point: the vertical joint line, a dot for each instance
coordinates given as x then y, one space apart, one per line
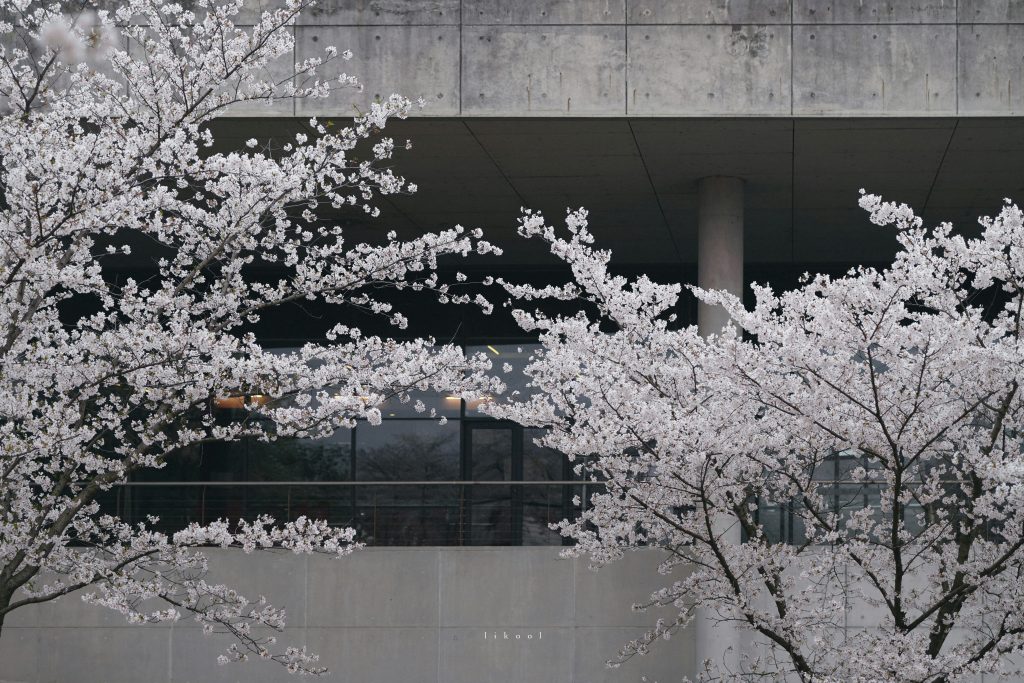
956 59
439 603
792 59
461 26
625 65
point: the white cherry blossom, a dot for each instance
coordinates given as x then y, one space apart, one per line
881 407
107 150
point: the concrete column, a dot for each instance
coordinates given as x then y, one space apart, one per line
719 266
719 245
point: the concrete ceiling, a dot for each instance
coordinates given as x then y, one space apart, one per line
638 178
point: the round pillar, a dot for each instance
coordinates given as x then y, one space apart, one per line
719 266
719 246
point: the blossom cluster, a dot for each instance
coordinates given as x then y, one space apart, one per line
880 411
109 170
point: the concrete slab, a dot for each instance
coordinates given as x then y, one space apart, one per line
538 654
378 655
381 13
415 61
277 71
887 70
708 70
374 587
874 12
840 236
989 83
468 598
105 655
279 575
21 654
554 147
68 611
194 659
668 660
487 12
549 71
531 58
637 574
709 12
990 11
252 10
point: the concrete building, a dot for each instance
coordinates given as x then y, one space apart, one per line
714 141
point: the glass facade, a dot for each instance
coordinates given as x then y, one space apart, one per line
844 495
413 481
408 481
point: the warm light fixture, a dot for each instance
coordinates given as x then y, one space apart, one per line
494 350
480 401
239 401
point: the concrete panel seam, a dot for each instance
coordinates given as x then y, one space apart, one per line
440 582
461 91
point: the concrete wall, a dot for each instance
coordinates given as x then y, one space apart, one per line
383 615
675 57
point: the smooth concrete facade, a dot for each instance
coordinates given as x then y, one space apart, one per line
708 58
381 615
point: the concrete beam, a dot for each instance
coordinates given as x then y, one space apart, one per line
731 58
415 61
582 12
709 70
888 70
544 71
709 12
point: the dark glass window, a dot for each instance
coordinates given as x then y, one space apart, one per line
408 481
327 459
407 450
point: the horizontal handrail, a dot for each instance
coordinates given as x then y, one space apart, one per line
458 482
359 483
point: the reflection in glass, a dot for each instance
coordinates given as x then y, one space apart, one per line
407 450
490 521
491 454
223 461
409 515
490 514
181 465
771 517
331 503
176 506
327 459
408 446
542 506
540 463
447 405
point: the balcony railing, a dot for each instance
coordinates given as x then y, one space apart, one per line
405 513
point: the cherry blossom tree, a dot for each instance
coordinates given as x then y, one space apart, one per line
107 148
878 412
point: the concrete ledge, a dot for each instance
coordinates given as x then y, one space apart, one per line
709 70
416 615
666 58
887 70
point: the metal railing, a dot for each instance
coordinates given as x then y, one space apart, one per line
453 512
